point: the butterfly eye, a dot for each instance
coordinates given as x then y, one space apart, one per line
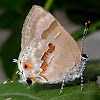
27 66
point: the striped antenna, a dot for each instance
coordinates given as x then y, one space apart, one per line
84 35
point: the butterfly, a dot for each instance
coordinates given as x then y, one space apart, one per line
49 54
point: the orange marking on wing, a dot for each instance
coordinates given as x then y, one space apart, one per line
43 76
44 56
44 64
51 48
27 66
34 80
31 78
51 28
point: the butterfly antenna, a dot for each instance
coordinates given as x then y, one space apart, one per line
84 35
14 77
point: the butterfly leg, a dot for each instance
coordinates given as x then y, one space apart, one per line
81 81
85 58
62 86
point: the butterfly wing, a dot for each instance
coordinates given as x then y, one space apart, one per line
36 22
41 24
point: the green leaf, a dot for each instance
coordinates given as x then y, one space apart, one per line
18 91
92 71
48 4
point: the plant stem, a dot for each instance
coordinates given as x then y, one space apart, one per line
48 4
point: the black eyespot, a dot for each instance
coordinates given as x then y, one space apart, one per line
29 82
25 66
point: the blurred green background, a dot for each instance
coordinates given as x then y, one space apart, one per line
14 12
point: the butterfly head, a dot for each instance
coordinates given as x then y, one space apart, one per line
84 57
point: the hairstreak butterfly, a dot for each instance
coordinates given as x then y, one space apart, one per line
49 54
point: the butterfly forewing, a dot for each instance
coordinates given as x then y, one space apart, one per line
36 22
